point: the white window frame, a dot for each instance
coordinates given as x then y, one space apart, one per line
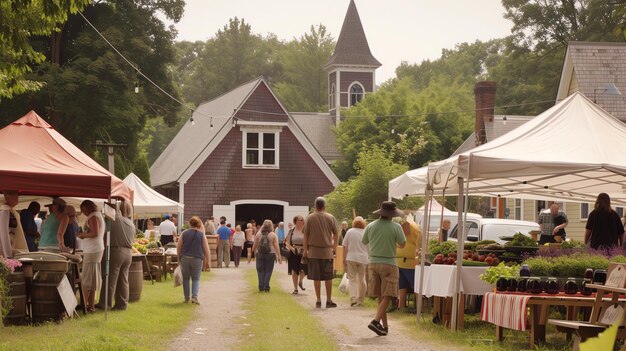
350 104
520 208
260 130
331 97
589 208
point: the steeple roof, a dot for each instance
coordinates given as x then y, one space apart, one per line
352 47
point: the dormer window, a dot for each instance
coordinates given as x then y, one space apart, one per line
260 147
356 94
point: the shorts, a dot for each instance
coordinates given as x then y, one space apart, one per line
320 269
383 280
407 279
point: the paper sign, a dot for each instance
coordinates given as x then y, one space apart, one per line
612 314
67 296
617 277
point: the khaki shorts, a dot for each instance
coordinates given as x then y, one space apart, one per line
320 269
383 280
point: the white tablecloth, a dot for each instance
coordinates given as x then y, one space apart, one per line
439 280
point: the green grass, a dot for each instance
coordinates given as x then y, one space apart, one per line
148 324
279 322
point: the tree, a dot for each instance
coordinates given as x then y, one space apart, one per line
305 87
549 25
20 21
89 93
365 192
233 57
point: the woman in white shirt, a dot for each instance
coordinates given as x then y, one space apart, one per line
93 247
355 258
239 238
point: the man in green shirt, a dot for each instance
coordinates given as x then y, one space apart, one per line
383 236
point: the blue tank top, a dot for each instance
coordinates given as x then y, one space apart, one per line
192 243
49 230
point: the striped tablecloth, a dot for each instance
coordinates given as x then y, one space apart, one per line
507 311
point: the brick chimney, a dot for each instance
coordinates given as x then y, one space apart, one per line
485 93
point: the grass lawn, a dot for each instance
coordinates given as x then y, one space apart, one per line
279 322
148 324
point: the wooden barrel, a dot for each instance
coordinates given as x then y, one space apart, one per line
213 239
17 295
45 301
135 281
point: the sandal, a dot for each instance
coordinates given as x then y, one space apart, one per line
318 304
301 286
295 292
330 304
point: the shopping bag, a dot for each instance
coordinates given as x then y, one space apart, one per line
343 286
178 277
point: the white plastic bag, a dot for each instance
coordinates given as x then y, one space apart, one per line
178 277
343 286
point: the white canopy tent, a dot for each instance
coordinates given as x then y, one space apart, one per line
409 183
571 152
148 202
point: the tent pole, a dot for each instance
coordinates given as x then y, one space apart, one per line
424 247
459 258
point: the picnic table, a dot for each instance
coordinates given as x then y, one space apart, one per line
508 310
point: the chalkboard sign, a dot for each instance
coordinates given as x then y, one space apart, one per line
67 296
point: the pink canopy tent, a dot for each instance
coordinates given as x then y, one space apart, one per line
37 160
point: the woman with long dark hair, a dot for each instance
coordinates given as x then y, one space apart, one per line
604 228
293 242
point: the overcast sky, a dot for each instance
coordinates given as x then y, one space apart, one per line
397 30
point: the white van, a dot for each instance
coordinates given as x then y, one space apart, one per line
435 221
496 229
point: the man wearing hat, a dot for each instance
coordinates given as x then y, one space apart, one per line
54 227
383 237
167 229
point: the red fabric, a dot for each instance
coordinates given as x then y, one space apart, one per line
37 160
505 310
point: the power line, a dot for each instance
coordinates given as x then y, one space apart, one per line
136 68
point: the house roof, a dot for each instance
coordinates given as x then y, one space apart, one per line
495 129
588 67
352 47
194 143
192 139
318 127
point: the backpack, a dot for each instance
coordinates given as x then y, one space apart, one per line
264 244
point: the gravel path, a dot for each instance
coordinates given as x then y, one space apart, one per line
221 317
348 325
221 320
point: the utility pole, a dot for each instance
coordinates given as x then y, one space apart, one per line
110 152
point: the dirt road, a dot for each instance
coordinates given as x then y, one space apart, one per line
221 320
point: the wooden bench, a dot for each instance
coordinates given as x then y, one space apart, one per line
582 330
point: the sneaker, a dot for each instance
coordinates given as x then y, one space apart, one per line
330 304
377 328
195 301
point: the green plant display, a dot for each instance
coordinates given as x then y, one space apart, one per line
492 274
